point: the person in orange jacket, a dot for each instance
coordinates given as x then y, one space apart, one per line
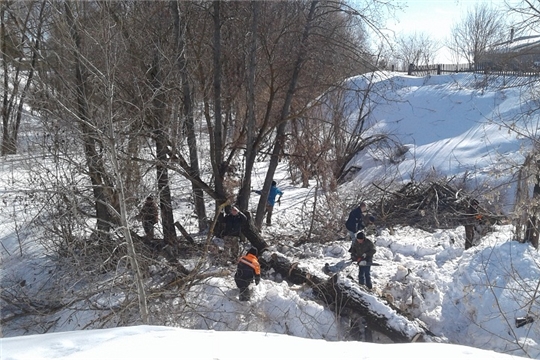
248 269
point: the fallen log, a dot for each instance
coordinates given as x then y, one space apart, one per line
379 314
250 231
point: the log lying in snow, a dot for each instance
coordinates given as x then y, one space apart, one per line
252 234
378 313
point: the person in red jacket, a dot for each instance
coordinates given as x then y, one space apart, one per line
247 270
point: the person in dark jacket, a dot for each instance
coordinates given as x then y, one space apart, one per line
248 269
234 222
362 253
357 221
475 224
149 216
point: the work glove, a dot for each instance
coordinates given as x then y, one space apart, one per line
279 202
363 255
257 280
362 263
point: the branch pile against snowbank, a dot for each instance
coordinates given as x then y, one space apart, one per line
428 206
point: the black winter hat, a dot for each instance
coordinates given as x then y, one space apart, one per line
360 235
253 251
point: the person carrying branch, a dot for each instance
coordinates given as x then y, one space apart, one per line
248 269
362 253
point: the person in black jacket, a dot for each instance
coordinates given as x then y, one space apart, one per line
149 216
362 253
248 269
234 222
357 221
475 224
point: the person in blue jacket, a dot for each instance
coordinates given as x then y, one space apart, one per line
357 221
271 201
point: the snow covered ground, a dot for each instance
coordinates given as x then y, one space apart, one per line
451 125
154 342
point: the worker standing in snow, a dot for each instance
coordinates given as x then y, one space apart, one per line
271 201
362 253
358 220
234 222
149 216
248 269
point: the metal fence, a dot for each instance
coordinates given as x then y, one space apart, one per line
484 68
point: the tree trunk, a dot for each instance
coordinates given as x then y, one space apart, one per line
251 233
10 125
251 148
217 148
5 70
181 60
162 152
122 215
8 142
280 133
94 161
389 321
531 234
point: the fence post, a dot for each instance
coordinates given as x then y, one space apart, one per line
438 69
411 66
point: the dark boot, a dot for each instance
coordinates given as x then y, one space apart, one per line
244 294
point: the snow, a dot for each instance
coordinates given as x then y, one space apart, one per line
159 342
451 125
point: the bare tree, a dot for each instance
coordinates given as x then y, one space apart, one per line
103 190
333 131
180 24
334 52
244 192
285 111
527 204
528 12
417 48
476 34
21 34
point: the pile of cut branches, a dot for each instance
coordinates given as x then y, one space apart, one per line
428 206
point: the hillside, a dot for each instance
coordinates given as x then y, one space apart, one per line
464 126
